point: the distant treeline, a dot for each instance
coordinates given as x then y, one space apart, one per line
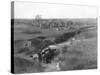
57 23
82 20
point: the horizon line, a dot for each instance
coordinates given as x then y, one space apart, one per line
57 18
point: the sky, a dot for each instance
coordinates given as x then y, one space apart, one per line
28 10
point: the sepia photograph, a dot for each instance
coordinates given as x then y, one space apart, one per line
51 37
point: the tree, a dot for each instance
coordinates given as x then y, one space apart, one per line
38 17
38 20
